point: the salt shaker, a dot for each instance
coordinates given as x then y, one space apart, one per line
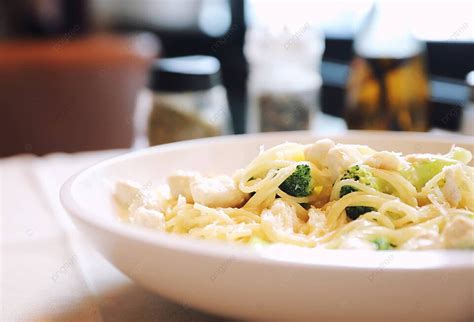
284 80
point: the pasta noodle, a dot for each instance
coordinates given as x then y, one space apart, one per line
322 195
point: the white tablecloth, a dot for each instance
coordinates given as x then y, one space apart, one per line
49 272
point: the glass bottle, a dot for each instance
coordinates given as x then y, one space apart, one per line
284 80
387 87
467 123
188 100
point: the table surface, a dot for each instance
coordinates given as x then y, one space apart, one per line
49 272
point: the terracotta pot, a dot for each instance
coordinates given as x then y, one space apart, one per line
71 94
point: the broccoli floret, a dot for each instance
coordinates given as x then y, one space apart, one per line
425 167
419 173
299 183
363 176
353 212
346 190
382 243
459 154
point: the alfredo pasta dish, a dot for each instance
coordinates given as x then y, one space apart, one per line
322 195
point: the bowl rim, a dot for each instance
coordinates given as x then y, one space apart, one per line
330 259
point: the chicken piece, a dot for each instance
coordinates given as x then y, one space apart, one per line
419 158
180 182
455 154
336 157
220 191
427 240
280 224
317 153
284 214
148 218
385 160
459 233
132 195
142 204
126 192
342 157
451 191
317 222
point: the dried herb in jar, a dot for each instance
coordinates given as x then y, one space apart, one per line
284 112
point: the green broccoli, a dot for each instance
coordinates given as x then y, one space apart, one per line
299 183
360 174
363 176
382 243
425 167
419 173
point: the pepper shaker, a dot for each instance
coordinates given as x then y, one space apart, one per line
188 100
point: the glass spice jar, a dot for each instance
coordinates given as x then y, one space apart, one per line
284 80
467 123
188 100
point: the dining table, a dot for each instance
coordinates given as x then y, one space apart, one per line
49 271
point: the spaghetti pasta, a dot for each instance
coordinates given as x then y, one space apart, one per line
322 195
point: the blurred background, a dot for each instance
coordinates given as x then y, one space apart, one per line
102 74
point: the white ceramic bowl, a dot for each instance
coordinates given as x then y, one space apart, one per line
276 282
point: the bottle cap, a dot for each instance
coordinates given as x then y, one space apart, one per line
186 73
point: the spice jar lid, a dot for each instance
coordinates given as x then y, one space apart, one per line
186 73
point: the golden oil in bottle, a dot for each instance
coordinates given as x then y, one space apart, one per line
387 88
